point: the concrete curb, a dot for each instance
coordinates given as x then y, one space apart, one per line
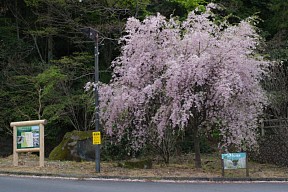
144 179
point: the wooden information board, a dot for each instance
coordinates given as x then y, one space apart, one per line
28 136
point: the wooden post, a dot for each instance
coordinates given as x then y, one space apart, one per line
247 167
15 154
222 165
41 155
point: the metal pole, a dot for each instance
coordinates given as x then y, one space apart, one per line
97 149
93 34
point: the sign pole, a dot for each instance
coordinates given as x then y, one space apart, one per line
93 34
41 152
222 165
97 157
247 167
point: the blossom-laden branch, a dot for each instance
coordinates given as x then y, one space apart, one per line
184 75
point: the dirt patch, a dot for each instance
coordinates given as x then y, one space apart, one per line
180 167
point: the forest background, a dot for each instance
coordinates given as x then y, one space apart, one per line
45 59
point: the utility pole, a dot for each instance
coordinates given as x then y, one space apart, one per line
93 34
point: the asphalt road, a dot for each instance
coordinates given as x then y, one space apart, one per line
20 184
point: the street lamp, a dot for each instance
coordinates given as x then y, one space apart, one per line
93 34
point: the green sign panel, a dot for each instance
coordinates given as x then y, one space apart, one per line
234 160
28 137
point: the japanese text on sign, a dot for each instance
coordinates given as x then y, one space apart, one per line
96 138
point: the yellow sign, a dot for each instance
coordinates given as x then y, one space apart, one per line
96 138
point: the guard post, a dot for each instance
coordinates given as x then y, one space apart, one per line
28 136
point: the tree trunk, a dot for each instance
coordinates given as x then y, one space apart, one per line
50 49
49 39
17 21
197 148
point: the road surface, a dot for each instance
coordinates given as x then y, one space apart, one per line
28 184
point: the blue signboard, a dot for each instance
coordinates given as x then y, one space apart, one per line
234 160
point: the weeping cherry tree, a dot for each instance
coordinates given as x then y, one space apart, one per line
174 76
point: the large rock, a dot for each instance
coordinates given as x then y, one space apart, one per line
75 146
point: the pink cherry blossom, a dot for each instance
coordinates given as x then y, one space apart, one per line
185 75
